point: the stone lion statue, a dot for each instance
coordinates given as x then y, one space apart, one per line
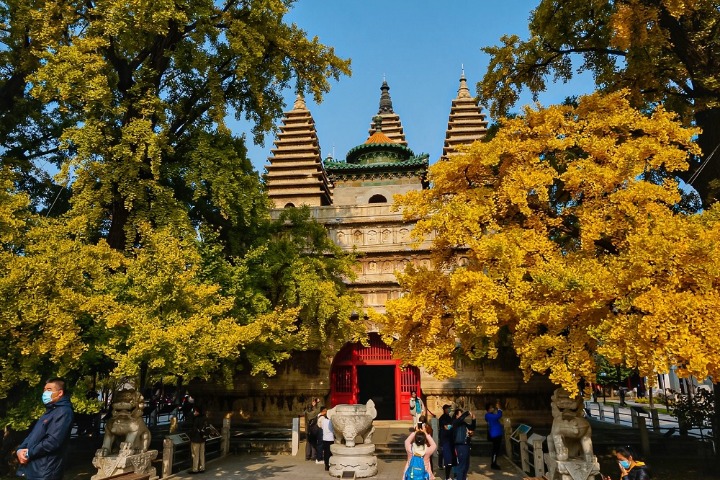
126 424
570 436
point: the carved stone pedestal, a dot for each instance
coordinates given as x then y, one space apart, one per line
574 469
360 459
124 461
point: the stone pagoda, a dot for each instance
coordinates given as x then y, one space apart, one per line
353 199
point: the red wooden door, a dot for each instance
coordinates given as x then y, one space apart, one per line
344 385
344 375
409 381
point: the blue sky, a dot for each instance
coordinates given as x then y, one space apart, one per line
419 47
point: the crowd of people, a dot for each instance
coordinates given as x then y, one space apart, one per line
40 455
456 429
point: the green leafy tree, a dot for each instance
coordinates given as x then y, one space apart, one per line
696 410
137 95
138 258
663 51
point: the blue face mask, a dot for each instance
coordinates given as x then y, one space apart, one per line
624 464
47 397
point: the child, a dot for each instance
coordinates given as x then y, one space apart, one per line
419 447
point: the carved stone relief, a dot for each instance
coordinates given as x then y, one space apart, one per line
358 237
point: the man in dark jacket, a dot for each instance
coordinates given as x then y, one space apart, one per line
447 449
197 441
311 413
461 436
41 454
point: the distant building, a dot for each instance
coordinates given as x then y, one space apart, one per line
353 199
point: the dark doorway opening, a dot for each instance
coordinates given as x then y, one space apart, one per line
378 383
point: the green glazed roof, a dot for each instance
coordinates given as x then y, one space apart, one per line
399 165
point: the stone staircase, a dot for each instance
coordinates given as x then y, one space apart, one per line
389 439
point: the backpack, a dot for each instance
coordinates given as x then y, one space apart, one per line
461 435
313 429
416 468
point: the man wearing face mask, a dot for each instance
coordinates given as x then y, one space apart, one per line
41 453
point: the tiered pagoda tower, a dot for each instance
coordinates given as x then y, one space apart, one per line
295 175
466 123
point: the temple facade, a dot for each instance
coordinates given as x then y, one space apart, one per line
353 198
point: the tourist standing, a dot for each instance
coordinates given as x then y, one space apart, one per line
495 431
197 441
447 449
328 436
41 454
424 426
311 430
417 408
462 432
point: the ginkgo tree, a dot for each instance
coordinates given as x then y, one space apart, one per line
559 236
140 256
661 50
174 307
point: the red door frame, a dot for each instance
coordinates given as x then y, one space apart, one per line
344 380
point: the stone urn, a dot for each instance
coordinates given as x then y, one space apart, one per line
353 423
353 450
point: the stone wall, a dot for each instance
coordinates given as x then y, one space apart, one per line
270 400
488 381
276 400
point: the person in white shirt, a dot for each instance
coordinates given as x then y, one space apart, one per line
328 435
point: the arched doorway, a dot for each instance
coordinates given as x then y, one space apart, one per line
361 373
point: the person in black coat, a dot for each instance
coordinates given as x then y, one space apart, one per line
197 441
445 435
41 454
462 432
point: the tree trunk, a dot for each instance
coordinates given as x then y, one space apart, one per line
652 401
715 422
116 235
707 182
143 375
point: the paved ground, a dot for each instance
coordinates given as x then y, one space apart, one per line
255 466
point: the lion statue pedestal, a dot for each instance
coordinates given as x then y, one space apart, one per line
570 449
127 439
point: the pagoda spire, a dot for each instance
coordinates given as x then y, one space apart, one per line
466 123
299 103
391 125
385 100
463 91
